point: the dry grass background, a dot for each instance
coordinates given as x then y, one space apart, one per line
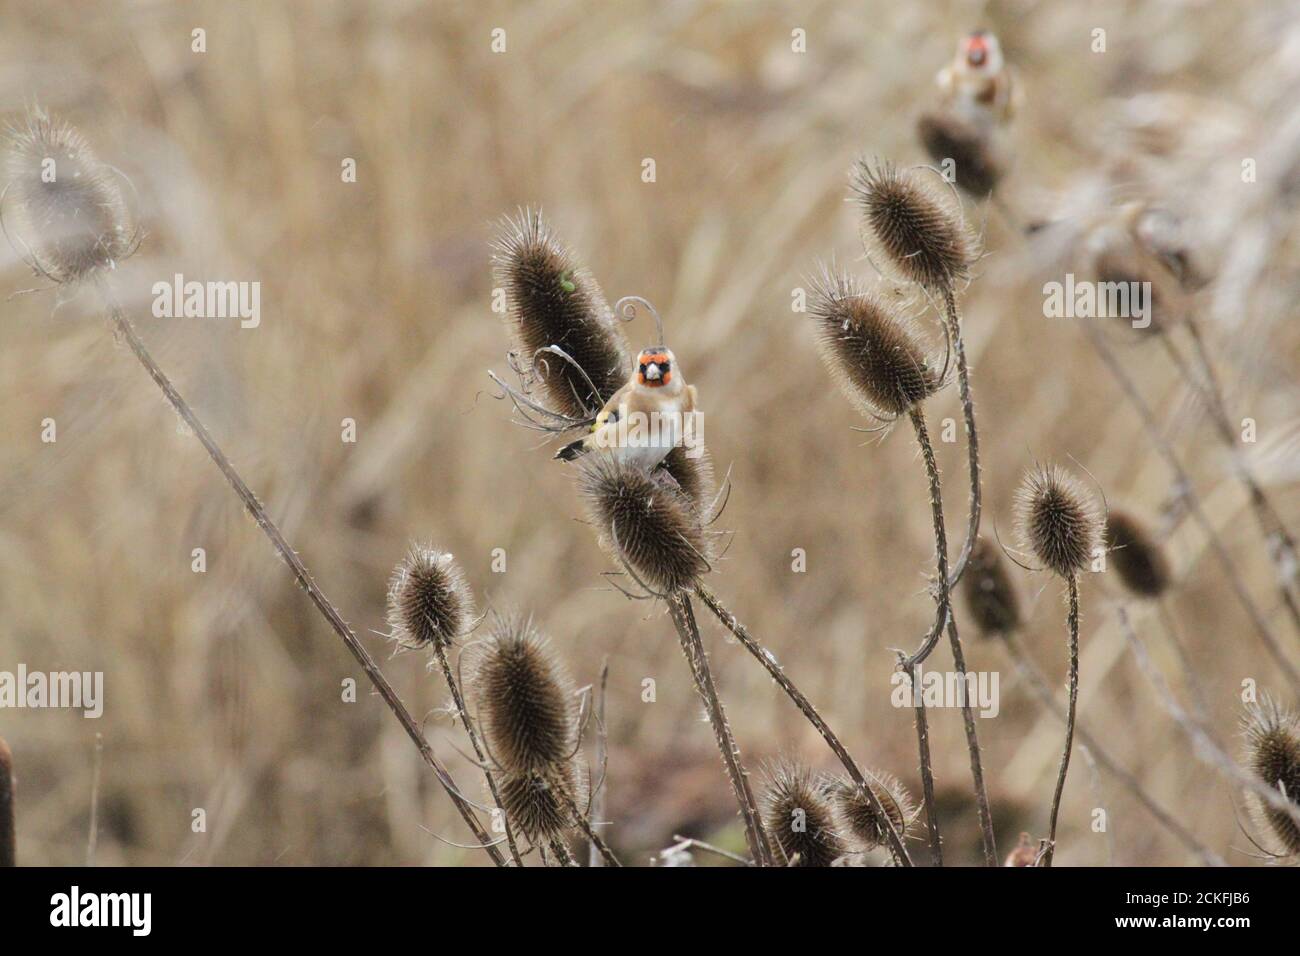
223 689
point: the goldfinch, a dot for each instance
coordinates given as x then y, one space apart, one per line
646 418
978 85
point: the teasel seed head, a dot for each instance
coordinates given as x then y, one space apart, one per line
1059 522
990 593
976 157
646 522
859 820
874 354
554 300
7 836
797 812
428 600
1024 854
1273 755
69 207
532 805
693 474
1135 554
525 698
912 226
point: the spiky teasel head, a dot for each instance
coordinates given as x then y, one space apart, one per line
859 820
533 803
797 812
645 522
69 205
874 353
912 226
693 473
6 805
429 602
1273 755
525 699
1136 555
1059 521
990 593
976 157
554 300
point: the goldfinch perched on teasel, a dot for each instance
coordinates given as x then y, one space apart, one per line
645 419
978 85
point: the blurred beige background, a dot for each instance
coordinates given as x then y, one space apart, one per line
223 688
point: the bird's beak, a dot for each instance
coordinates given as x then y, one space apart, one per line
652 373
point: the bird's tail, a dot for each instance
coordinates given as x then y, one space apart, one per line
572 450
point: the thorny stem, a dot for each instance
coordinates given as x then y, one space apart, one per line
7 839
562 853
594 857
741 633
303 577
1072 622
1029 672
959 659
927 774
584 824
679 608
463 713
1166 451
953 318
1282 546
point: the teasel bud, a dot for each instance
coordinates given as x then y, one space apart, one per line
428 600
975 154
1058 519
554 300
1273 755
990 593
8 840
526 703
912 226
68 204
645 522
859 820
1024 854
798 815
1135 554
875 354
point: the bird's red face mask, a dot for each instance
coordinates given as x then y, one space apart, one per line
976 48
654 368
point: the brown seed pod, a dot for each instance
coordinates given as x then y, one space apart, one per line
526 704
798 815
1135 554
644 521
989 591
694 476
69 205
1024 854
977 159
554 300
874 354
1058 519
7 837
912 226
428 599
858 818
1273 755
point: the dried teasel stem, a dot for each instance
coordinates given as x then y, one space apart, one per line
1282 545
954 640
1072 623
1152 427
299 570
8 840
688 632
1034 677
778 674
974 506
